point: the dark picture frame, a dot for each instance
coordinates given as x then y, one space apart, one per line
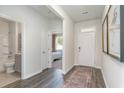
114 31
115 42
105 35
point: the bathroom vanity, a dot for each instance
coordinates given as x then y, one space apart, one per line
18 62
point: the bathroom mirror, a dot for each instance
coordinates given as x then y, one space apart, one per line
18 37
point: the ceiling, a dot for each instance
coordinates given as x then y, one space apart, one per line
83 12
45 11
5 20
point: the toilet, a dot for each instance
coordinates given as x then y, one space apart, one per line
9 67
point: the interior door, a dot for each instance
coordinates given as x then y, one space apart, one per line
86 47
44 61
49 50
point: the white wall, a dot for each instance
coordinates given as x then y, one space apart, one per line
68 38
4 30
96 23
113 70
35 27
55 26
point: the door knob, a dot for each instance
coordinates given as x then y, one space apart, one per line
43 52
79 49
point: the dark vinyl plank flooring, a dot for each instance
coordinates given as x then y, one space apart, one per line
53 78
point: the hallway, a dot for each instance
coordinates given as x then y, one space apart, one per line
85 39
57 64
78 77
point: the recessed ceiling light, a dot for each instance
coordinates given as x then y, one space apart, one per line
85 12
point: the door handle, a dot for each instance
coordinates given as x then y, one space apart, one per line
79 49
43 52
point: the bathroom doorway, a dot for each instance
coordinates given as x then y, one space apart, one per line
10 51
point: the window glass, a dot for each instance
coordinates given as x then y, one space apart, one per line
59 42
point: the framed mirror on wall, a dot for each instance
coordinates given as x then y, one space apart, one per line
105 35
114 31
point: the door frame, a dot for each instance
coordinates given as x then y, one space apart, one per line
62 19
22 41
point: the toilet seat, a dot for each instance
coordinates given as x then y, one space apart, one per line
9 63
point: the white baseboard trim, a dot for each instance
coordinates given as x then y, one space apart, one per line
98 67
65 72
30 75
76 64
104 78
89 66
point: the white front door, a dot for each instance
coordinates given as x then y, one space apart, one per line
86 48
